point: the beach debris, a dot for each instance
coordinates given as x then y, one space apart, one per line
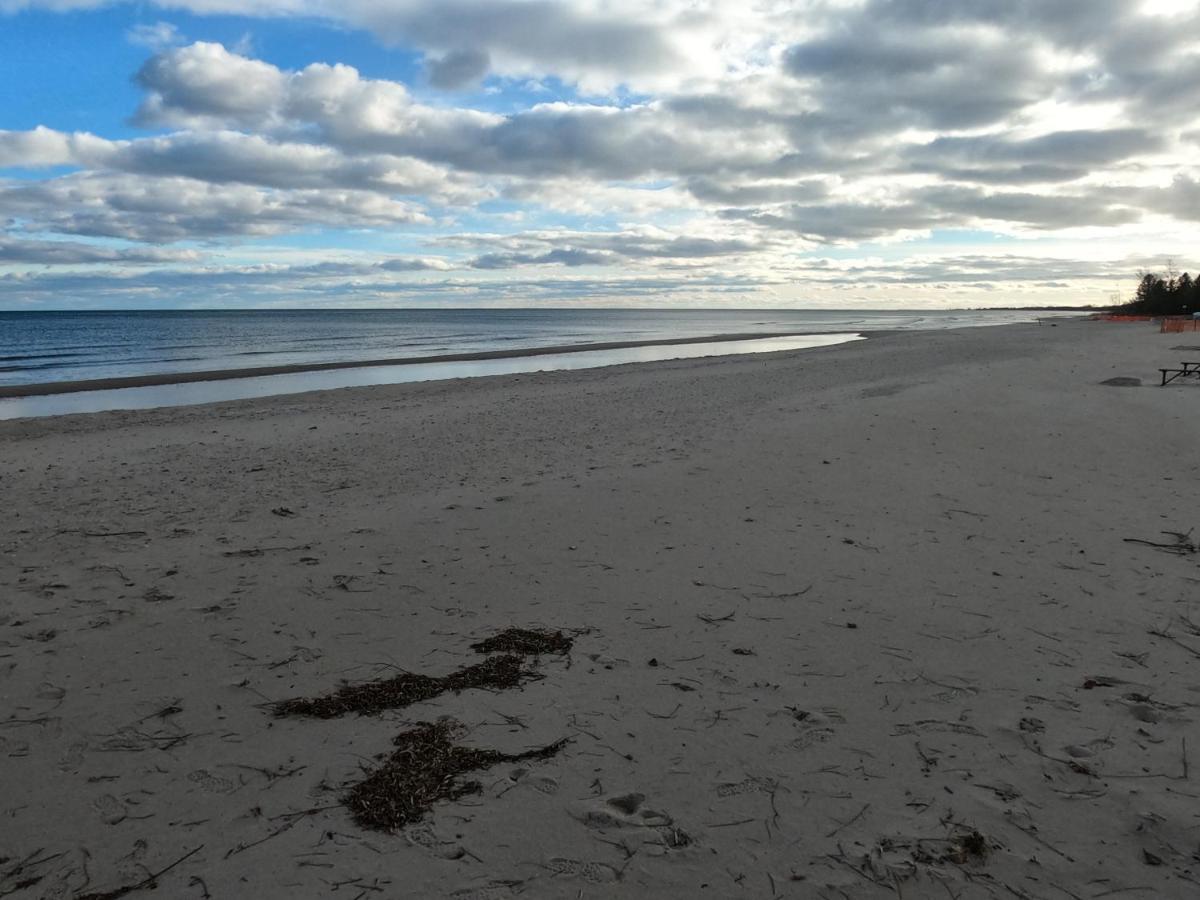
1165 635
255 552
283 512
21 876
1122 381
408 688
1101 681
525 642
895 859
423 769
150 882
967 847
1182 545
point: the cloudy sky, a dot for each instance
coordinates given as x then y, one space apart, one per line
839 153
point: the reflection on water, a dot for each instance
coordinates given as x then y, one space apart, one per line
75 346
271 385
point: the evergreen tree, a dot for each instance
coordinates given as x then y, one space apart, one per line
1174 295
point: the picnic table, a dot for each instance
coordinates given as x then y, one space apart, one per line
1188 368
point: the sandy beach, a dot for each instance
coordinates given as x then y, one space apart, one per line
914 617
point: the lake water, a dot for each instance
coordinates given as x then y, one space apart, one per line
46 347
68 346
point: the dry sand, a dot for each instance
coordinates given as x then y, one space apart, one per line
852 622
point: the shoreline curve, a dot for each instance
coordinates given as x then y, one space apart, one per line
49 388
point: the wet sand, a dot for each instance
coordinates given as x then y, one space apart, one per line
902 617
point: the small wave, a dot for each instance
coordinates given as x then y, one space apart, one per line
32 356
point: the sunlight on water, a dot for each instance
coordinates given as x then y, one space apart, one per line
273 385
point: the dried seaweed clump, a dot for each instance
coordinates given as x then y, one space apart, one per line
525 642
408 688
971 845
965 847
423 769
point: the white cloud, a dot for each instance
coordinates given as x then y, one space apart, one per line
157 37
758 132
210 84
162 210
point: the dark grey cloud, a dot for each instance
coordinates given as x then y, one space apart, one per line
162 210
1057 157
943 207
1043 211
1070 22
533 34
726 191
835 222
565 256
458 68
576 248
41 252
228 157
1181 199
868 79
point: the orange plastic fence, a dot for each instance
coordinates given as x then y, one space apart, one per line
1174 326
1113 317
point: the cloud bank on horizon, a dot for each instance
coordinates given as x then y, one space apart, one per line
189 153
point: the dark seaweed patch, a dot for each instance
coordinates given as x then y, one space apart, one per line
525 642
423 769
408 688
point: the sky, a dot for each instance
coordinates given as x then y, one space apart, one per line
689 153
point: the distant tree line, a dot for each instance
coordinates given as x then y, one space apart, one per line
1169 295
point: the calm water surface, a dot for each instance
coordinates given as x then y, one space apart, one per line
69 346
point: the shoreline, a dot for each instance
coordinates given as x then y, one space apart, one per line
49 388
898 616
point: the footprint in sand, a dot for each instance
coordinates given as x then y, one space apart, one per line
618 811
213 784
67 879
13 747
73 757
1088 750
814 727
591 872
496 890
1144 713
752 785
111 809
543 784
132 864
425 837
